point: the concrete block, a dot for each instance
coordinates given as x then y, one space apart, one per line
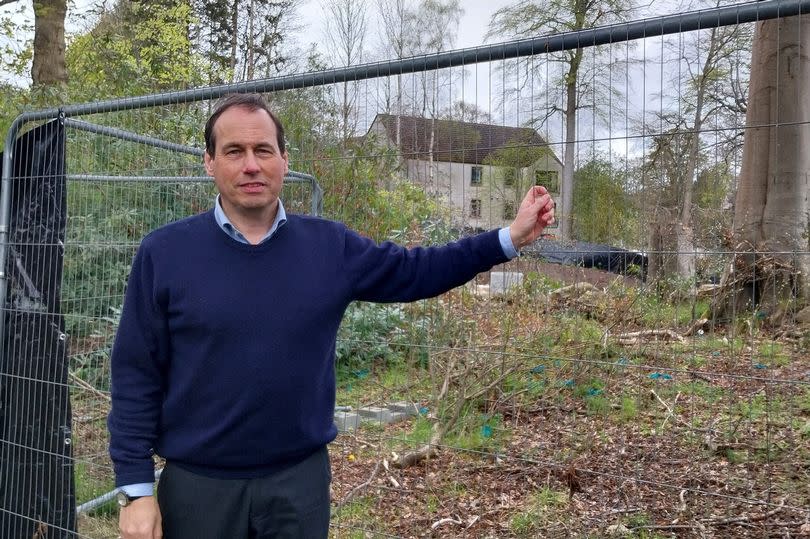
396 417
346 421
403 407
501 281
376 414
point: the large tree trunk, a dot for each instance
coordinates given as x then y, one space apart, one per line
681 231
672 247
48 66
567 186
234 38
772 211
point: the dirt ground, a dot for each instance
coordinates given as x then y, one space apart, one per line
564 472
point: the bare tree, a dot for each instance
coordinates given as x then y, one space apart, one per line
708 95
397 41
409 29
533 17
425 28
346 24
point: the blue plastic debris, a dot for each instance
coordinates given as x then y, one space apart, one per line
533 385
486 431
423 410
623 361
539 369
761 315
715 354
568 383
660 376
592 392
760 366
362 373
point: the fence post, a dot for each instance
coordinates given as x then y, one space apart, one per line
37 498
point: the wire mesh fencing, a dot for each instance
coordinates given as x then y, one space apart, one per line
639 371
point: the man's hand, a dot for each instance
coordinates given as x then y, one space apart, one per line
536 213
141 519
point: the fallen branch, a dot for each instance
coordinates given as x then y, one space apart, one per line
444 424
352 493
671 410
638 337
580 287
745 518
443 521
696 326
89 387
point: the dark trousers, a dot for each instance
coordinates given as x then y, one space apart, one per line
292 503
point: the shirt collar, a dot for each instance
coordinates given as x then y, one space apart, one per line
227 227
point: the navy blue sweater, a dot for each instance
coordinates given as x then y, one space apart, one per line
224 358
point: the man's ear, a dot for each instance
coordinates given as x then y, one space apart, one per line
209 163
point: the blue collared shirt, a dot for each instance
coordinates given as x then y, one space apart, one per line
226 225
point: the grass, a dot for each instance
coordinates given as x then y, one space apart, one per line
89 487
382 383
772 354
628 410
706 392
533 520
356 519
479 433
102 521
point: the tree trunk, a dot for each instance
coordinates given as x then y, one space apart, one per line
671 247
251 48
567 187
48 66
234 38
682 231
772 211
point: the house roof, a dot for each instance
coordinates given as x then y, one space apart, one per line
464 142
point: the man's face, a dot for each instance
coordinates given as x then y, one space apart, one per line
248 167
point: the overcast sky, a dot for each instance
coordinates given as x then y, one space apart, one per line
472 27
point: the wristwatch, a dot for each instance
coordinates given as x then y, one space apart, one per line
125 499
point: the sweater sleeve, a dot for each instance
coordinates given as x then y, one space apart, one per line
388 272
139 356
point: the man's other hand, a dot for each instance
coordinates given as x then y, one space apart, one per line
536 213
141 519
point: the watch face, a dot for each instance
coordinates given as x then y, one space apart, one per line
122 498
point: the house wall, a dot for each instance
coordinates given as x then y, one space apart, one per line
451 183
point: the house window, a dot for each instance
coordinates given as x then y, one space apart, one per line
508 210
509 177
476 174
548 179
475 208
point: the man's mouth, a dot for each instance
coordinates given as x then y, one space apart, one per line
252 187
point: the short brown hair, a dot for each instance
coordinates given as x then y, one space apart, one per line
251 102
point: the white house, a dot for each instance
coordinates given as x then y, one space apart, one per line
481 171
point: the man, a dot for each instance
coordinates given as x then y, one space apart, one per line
224 359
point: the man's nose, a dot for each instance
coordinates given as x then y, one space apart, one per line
251 164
